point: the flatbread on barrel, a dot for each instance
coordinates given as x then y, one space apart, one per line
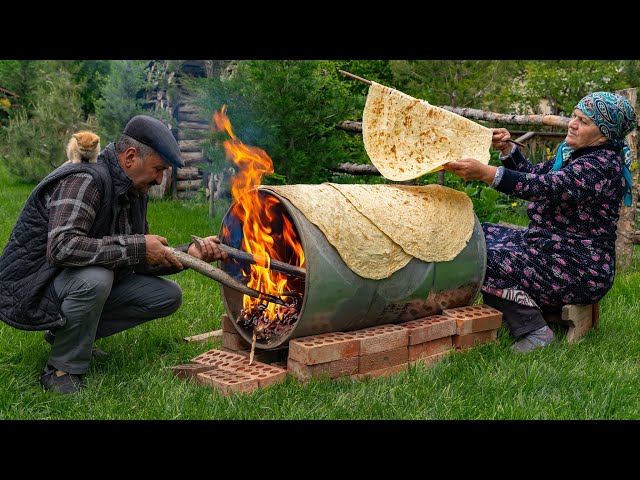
406 138
430 222
366 250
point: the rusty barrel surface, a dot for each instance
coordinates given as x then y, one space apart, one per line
337 299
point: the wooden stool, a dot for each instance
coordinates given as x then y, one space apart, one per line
579 318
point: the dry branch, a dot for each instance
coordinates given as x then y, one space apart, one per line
258 260
356 169
261 261
551 120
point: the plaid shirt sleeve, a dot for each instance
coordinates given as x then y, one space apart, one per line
72 209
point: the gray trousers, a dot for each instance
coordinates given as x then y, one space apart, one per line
96 306
520 319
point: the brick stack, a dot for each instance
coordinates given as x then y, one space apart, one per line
474 324
367 353
230 372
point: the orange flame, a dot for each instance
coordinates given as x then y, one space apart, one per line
267 232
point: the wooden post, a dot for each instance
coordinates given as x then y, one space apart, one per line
627 220
212 191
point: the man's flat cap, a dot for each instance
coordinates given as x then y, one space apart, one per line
154 133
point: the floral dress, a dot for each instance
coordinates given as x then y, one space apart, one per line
567 253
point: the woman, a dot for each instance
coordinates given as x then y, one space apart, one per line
567 253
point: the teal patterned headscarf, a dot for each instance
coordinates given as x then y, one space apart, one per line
615 117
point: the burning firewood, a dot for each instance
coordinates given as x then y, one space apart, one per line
265 327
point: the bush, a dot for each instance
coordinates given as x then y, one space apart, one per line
290 109
35 145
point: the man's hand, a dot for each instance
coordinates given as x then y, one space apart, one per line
207 249
157 254
472 169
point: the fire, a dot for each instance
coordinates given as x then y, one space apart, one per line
267 232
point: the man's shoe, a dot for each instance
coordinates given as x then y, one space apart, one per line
537 339
59 381
49 336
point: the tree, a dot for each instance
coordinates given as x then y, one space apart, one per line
121 98
378 71
290 109
23 77
457 83
91 76
35 140
562 83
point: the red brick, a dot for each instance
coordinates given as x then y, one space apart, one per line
381 338
336 368
383 372
323 348
431 359
264 356
472 339
265 374
227 382
190 369
380 360
432 347
475 318
217 358
430 328
234 341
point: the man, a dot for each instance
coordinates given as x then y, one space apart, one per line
80 261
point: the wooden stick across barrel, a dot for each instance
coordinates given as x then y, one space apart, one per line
271 264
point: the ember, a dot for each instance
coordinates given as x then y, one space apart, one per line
264 326
261 229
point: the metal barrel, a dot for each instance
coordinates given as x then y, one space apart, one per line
337 299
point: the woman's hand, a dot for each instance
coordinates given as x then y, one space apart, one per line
472 169
500 141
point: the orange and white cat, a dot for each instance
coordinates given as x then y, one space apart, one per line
83 145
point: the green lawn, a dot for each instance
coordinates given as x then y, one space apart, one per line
595 378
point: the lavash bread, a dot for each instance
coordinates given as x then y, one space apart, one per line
378 229
406 138
430 222
363 247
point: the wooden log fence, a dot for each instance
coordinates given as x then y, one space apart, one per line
626 233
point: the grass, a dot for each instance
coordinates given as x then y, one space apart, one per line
594 378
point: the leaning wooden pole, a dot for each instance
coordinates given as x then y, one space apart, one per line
627 221
221 276
550 120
